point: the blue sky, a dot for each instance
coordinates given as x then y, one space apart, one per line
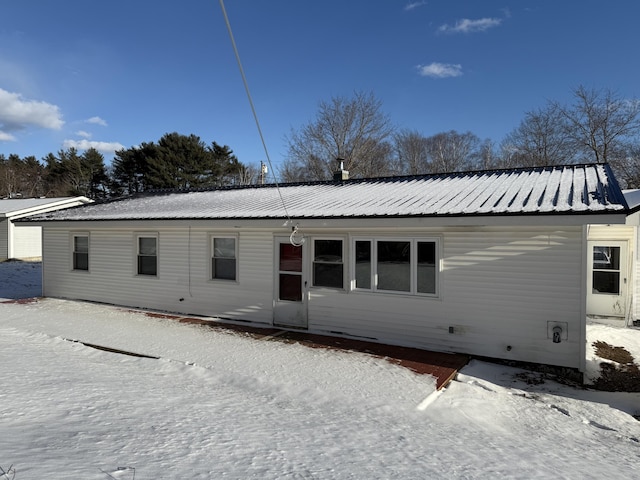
116 74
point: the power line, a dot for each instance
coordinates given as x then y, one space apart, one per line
253 109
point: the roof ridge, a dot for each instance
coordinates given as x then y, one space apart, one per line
382 179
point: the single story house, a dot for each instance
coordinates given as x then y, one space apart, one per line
19 240
490 263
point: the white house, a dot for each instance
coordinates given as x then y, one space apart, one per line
490 263
23 240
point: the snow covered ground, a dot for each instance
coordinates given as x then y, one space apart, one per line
225 405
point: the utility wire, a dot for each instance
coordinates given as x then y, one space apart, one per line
253 109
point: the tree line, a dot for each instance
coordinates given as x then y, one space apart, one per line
598 126
174 162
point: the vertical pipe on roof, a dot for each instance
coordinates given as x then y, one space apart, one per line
340 174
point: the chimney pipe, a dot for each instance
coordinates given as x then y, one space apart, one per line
340 174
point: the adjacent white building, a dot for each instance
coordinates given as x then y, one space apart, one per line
493 263
22 240
613 283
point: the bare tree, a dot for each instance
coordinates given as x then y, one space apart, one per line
487 157
452 151
354 129
411 157
627 166
600 122
541 139
247 175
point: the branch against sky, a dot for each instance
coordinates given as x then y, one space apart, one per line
600 123
352 128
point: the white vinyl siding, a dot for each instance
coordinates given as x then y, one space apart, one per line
499 286
4 239
27 241
184 282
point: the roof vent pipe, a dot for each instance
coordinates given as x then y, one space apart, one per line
340 174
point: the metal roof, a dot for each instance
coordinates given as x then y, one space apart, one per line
20 206
570 189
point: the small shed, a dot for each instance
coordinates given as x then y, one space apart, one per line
489 263
19 240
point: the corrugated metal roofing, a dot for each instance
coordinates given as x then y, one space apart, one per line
549 190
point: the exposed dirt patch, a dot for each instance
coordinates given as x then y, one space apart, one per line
621 376
23 301
530 378
617 354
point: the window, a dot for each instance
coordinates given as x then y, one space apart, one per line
606 270
81 252
426 270
396 265
328 270
363 264
148 255
223 258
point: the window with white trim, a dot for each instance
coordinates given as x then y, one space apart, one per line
396 265
81 252
147 255
328 263
224 254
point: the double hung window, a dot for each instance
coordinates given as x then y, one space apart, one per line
224 263
147 255
328 264
81 252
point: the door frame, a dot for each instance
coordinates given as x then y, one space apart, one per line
608 304
290 313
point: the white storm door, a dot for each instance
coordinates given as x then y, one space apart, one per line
607 280
290 292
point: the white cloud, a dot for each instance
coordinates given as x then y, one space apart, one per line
16 113
97 121
82 133
104 147
470 26
440 70
5 137
414 5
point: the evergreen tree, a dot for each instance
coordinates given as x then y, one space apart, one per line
130 169
175 162
71 174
